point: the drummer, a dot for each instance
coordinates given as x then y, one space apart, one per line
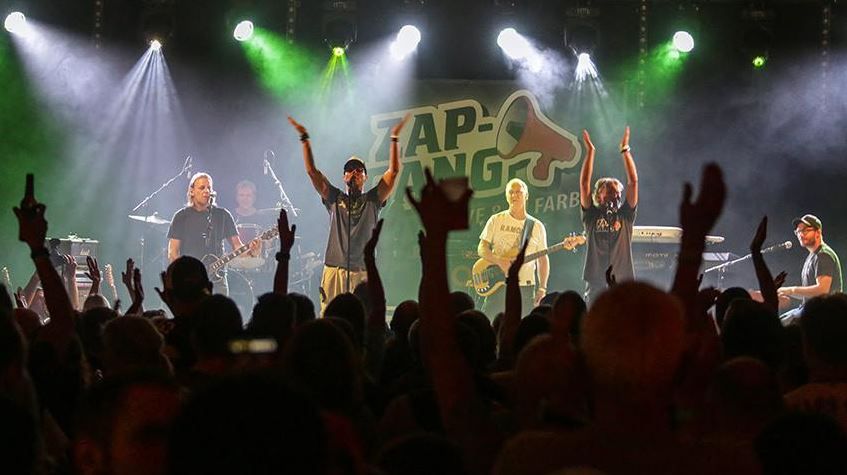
250 221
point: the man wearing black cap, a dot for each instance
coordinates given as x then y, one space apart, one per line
822 269
353 214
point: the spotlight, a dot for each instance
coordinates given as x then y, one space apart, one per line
15 23
585 68
407 41
513 44
156 45
759 61
243 30
338 51
683 41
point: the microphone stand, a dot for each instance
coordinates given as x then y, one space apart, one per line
186 167
725 265
283 197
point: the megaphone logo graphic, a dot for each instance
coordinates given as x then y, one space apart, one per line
525 129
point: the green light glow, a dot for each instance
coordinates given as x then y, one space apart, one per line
329 81
759 62
283 69
338 51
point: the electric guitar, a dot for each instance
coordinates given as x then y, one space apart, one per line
6 279
215 264
488 277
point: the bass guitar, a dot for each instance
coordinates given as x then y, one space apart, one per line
489 278
215 264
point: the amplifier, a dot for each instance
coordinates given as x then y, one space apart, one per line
75 246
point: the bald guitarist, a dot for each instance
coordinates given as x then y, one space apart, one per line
502 237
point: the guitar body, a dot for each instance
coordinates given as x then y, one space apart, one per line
215 265
487 277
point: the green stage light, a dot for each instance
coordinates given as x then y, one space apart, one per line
759 61
338 51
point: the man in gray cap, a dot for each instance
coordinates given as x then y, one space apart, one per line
822 269
353 214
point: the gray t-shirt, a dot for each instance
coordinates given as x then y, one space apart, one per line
202 232
364 210
608 242
823 261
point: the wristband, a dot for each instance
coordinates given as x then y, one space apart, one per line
543 289
304 136
394 138
625 148
40 252
282 256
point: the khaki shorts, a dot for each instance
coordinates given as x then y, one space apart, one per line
334 282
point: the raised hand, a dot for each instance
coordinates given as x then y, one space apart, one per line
759 238
126 277
32 227
137 288
625 139
370 247
698 217
586 139
93 270
165 291
70 264
779 280
286 233
395 131
300 129
438 213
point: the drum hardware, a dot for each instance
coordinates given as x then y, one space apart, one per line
154 219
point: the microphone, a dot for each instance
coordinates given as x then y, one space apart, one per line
785 245
213 194
268 153
265 165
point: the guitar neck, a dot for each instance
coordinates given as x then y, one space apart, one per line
544 252
225 259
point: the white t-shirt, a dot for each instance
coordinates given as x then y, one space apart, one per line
504 233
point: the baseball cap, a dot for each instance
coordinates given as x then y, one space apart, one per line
355 162
809 220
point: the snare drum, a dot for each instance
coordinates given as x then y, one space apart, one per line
247 232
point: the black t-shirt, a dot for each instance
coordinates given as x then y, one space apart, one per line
202 232
365 213
823 261
608 242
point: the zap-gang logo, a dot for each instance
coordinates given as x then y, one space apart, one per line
459 138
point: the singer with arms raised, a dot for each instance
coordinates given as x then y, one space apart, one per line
607 219
353 214
822 270
200 228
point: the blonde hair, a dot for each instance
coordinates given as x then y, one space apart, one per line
600 184
520 182
194 178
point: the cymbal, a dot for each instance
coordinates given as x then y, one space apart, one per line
152 219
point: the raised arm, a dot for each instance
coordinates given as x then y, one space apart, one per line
631 173
763 274
389 178
283 257
33 231
375 342
512 315
93 274
319 181
586 171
